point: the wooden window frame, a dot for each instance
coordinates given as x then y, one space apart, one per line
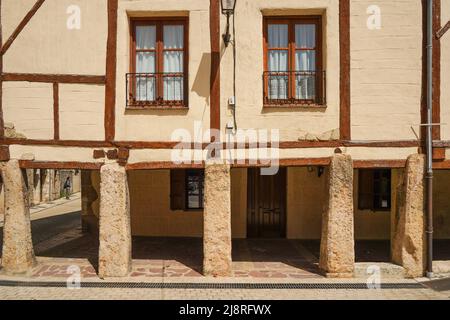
194 172
372 192
291 21
160 22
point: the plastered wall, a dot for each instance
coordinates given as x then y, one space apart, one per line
150 207
386 70
158 125
249 87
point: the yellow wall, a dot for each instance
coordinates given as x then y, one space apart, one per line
306 199
441 202
249 39
154 125
46 45
372 225
386 70
150 206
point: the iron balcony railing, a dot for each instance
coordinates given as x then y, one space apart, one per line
155 89
295 88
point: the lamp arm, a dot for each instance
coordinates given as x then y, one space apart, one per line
226 36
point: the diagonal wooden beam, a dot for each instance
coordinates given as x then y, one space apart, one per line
21 25
443 30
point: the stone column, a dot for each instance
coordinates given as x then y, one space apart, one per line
46 185
18 253
115 228
37 189
217 221
30 186
56 184
408 243
337 248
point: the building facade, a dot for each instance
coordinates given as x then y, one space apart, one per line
337 88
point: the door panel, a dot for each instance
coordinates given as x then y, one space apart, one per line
266 209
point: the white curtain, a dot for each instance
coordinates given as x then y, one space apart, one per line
173 62
305 61
145 63
278 61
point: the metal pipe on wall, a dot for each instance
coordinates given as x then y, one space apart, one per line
429 143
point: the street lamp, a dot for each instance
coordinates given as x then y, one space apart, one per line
228 7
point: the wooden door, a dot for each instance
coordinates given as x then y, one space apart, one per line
266 205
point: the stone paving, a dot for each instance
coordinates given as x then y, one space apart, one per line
163 260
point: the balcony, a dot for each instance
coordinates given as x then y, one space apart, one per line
156 91
294 89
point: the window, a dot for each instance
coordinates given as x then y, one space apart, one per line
158 75
187 189
374 190
194 189
293 72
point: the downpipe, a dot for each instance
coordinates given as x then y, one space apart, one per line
429 143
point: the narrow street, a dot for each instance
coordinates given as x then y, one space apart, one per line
53 219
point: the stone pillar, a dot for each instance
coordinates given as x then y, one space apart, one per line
30 186
337 248
56 186
37 189
217 221
408 243
115 228
89 221
18 253
46 185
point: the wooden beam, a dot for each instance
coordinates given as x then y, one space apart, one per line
21 25
170 144
2 122
56 111
54 78
214 30
436 70
4 152
111 64
68 165
443 30
344 79
378 164
436 116
56 143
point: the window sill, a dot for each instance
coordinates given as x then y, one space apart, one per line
159 107
296 106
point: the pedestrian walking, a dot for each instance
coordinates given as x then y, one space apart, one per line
67 186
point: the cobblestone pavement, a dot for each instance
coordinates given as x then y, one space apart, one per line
60 243
28 293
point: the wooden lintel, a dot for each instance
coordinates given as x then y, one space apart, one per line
74 165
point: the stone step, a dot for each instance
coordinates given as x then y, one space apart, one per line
387 270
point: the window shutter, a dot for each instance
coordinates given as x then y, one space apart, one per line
177 189
365 189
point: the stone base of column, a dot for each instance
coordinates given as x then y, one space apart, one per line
337 248
18 254
408 243
115 228
217 221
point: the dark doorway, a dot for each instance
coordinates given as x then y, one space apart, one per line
266 205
